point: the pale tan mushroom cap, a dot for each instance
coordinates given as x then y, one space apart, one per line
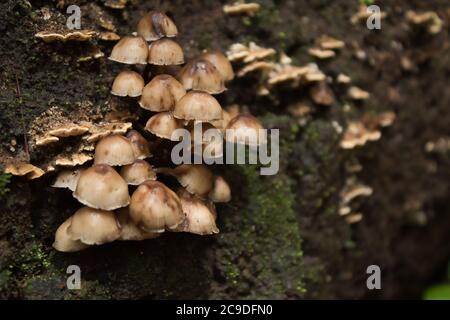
221 63
199 218
163 125
130 50
92 226
161 94
137 172
63 241
128 83
156 25
154 207
221 191
114 150
202 75
165 52
196 178
197 105
101 187
245 129
67 179
140 145
207 140
129 231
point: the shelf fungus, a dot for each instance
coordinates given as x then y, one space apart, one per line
66 35
240 7
23 169
357 134
428 20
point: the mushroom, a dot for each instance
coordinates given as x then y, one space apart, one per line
101 187
209 142
130 50
221 191
165 52
129 231
321 53
128 83
200 218
154 207
114 150
92 226
140 145
156 25
221 63
69 130
202 75
241 8
161 94
19 168
356 93
137 172
163 125
67 179
73 160
244 129
198 105
64 242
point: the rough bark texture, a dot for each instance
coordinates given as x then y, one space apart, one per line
281 236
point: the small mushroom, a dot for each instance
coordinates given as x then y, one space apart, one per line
163 125
161 94
154 207
198 105
101 187
92 226
128 83
221 63
209 142
221 191
140 145
200 219
130 50
19 168
241 8
156 25
129 231
164 52
137 172
67 179
244 129
114 150
356 93
202 75
64 242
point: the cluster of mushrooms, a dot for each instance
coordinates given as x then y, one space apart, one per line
178 97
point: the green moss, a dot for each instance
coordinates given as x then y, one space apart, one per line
5 179
34 260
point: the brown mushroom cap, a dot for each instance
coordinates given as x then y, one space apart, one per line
244 129
163 124
137 172
140 145
128 83
165 52
67 179
130 50
156 25
221 63
205 142
63 241
221 191
92 226
154 207
101 187
196 178
162 93
114 150
198 105
129 231
199 217
202 75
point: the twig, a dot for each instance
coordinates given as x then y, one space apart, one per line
19 96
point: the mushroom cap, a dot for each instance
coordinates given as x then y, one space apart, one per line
196 178
198 105
202 75
221 63
114 150
137 172
154 207
165 52
141 147
130 50
208 143
200 219
67 179
244 129
156 25
101 187
63 241
92 226
128 83
129 231
221 191
161 94
163 124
